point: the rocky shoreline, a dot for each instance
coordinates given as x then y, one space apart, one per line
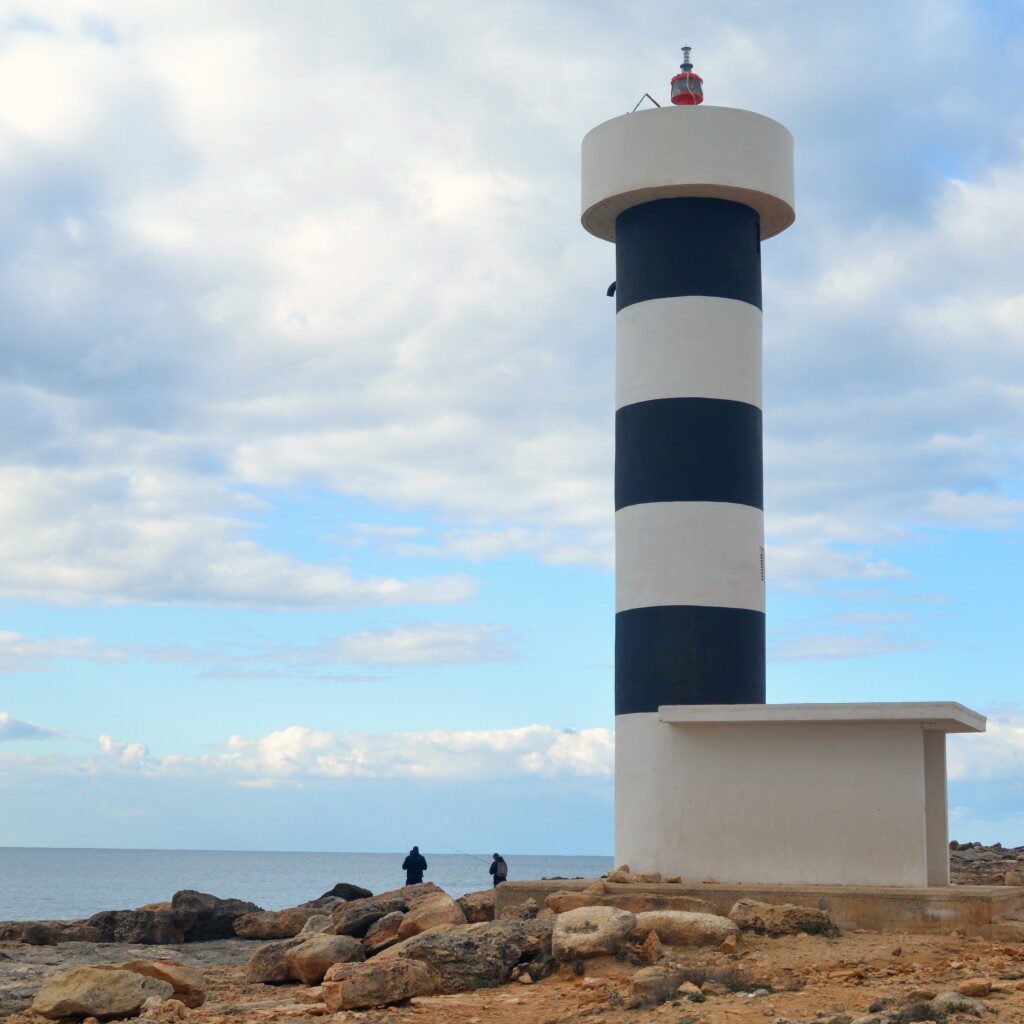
415 953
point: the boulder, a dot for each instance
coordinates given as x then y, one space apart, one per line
650 986
186 984
35 933
478 906
269 964
590 931
360 986
978 987
316 923
620 876
954 1002
310 959
96 992
348 892
356 917
274 924
684 928
146 927
383 933
205 917
635 903
475 955
648 877
442 909
651 951
779 919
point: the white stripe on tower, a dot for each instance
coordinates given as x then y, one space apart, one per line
696 346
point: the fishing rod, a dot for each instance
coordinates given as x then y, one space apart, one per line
464 854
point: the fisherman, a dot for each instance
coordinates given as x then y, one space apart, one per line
414 865
499 869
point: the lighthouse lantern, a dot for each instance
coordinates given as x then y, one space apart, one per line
687 87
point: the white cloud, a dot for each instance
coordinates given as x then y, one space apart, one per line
836 646
130 755
12 728
440 644
298 752
239 258
20 653
997 754
111 536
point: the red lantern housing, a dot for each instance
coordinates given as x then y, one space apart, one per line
687 87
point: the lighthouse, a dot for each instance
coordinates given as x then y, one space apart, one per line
687 193
709 779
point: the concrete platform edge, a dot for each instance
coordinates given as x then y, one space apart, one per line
993 911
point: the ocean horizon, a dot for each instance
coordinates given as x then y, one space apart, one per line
55 883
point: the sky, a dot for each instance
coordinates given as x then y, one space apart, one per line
306 391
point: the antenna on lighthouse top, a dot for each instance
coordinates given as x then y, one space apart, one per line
687 87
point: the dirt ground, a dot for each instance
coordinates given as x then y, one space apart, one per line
810 978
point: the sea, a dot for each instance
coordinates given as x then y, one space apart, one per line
58 884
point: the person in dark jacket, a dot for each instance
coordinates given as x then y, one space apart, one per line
498 869
414 865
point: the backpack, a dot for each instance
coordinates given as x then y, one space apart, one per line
501 869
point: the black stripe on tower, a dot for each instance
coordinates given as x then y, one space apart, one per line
688 654
688 449
691 246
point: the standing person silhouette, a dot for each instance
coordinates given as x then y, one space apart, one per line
414 865
498 869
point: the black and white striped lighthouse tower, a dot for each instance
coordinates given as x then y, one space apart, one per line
687 193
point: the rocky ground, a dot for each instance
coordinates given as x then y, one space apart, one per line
809 978
432 959
976 864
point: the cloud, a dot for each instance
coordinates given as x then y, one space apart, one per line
402 646
113 536
15 729
997 754
425 645
20 653
237 261
298 752
131 755
834 646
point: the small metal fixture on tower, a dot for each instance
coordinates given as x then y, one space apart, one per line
687 86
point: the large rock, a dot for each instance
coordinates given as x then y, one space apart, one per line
96 992
635 903
310 959
683 928
442 909
270 965
359 986
316 923
274 924
146 927
348 892
356 917
954 1002
651 985
478 906
186 984
205 917
383 933
590 931
476 955
779 919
